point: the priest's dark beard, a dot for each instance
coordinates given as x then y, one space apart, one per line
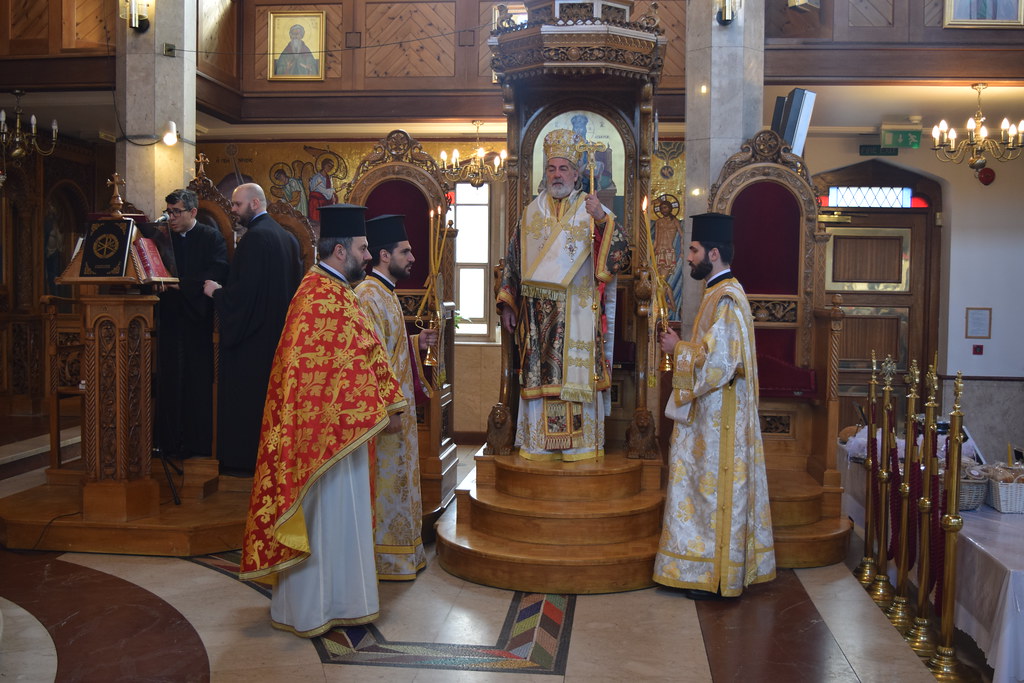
701 270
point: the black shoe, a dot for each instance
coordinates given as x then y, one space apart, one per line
697 594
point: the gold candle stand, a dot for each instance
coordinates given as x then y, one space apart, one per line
943 664
881 590
921 635
865 571
899 612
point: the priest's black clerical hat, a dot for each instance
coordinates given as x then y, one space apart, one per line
712 227
342 220
384 230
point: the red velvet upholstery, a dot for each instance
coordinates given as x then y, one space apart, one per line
398 196
779 379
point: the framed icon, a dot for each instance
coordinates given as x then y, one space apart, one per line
295 46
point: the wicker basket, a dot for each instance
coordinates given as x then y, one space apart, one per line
1006 497
972 493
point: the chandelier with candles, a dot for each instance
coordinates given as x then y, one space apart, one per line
476 169
976 146
18 141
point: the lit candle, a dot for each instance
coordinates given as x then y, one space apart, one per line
444 164
455 158
53 127
33 121
935 136
1004 130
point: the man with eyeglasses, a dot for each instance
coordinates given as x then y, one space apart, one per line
185 332
251 307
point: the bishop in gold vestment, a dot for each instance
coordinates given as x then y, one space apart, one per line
558 281
397 503
717 531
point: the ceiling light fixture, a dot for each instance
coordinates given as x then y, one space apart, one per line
976 146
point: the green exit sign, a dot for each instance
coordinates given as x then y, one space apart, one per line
895 137
878 151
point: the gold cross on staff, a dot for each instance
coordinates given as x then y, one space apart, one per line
115 200
583 148
201 161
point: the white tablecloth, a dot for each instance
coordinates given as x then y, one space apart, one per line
990 576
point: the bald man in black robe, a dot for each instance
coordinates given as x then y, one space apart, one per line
251 307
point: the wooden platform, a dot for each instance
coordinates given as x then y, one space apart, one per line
589 527
808 533
49 517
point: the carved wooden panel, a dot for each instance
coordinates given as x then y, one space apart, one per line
486 18
217 39
91 22
395 26
876 20
874 13
864 334
30 20
334 38
867 259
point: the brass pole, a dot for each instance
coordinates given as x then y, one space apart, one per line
943 664
881 590
865 571
899 611
921 635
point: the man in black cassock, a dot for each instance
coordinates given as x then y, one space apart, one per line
185 332
251 308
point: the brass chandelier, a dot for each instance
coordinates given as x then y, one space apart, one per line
977 147
18 141
482 167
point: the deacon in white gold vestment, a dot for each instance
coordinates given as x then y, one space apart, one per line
717 532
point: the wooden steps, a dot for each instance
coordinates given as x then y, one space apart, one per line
805 534
49 517
590 527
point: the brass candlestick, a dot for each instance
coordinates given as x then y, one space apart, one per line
921 635
881 590
943 664
865 571
666 358
899 612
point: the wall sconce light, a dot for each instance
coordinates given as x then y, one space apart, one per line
726 11
136 12
171 134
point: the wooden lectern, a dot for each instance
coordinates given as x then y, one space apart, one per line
117 326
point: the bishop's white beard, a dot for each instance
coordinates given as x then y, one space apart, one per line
559 191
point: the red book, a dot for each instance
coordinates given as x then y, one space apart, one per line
148 264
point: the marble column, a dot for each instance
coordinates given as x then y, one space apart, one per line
724 101
152 89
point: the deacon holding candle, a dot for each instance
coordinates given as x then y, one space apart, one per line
717 532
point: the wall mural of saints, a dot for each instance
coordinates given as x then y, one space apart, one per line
309 185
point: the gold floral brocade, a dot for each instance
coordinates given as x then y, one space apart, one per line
331 389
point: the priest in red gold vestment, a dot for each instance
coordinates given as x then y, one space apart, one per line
309 533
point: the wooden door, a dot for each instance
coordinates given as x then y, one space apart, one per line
882 264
